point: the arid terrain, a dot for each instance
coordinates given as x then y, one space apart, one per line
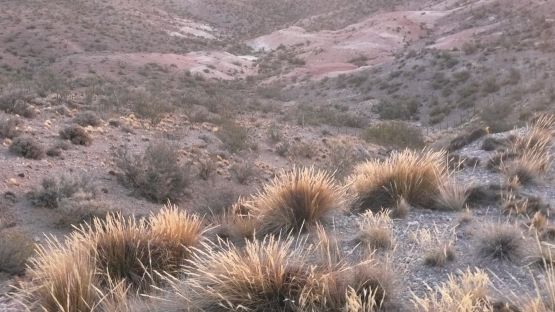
277 155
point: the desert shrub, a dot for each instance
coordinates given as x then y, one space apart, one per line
495 116
243 172
157 174
27 147
395 134
465 139
500 241
76 134
341 159
150 106
301 150
87 118
206 168
412 176
296 200
53 190
9 127
404 109
15 249
234 136
14 101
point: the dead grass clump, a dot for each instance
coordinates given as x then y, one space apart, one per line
519 204
27 147
95 267
87 118
15 249
500 241
234 136
466 293
370 287
136 250
375 231
62 278
157 175
440 255
530 153
296 200
413 176
76 134
451 196
177 231
266 275
10 127
529 166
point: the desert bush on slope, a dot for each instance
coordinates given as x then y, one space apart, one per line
27 147
76 134
395 134
157 175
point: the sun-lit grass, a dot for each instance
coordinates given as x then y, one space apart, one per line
413 176
297 200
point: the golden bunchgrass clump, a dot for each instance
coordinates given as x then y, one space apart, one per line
532 150
410 175
466 293
109 256
297 200
268 275
375 231
279 274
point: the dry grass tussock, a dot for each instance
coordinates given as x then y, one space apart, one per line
297 200
277 274
375 231
531 152
466 293
81 273
415 177
438 250
502 241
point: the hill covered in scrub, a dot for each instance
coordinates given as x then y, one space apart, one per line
248 155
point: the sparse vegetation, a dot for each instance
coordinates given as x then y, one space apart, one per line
396 134
87 118
27 147
157 174
10 127
500 241
15 249
234 136
76 134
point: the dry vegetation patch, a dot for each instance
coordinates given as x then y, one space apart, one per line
297 200
413 176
